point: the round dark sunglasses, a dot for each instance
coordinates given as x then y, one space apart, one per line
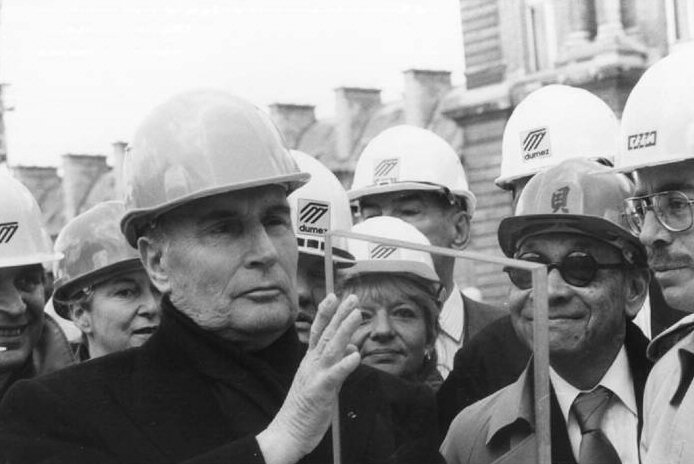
577 269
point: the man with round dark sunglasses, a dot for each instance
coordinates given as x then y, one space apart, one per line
570 218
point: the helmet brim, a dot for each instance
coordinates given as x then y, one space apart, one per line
514 230
650 164
64 291
37 258
134 219
357 194
341 259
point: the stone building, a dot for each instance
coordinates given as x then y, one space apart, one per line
511 48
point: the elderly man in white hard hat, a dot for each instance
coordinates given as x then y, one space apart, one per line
413 174
31 343
319 206
658 148
224 378
570 219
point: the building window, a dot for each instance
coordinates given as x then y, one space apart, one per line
539 35
679 15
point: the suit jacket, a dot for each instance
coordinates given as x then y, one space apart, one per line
478 315
485 364
186 396
499 428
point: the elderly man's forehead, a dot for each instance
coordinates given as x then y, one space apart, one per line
674 176
238 202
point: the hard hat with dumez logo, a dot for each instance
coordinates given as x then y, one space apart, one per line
196 145
94 249
23 239
658 117
373 257
553 124
577 196
410 158
319 206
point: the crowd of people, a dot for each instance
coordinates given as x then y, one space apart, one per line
211 331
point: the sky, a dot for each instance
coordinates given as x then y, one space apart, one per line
83 73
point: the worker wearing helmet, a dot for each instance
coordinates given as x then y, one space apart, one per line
552 124
657 146
101 285
224 378
317 207
413 174
569 218
30 342
400 298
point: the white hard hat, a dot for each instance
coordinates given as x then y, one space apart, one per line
22 235
410 158
200 144
553 124
319 206
94 250
378 258
658 118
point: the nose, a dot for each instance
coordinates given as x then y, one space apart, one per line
261 249
381 327
303 289
11 302
652 231
149 304
557 288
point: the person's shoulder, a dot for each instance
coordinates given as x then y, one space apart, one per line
369 379
480 313
468 431
84 377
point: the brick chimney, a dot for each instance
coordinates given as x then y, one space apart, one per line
44 184
292 120
119 148
353 109
424 89
80 174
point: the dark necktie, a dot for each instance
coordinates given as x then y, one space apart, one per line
589 409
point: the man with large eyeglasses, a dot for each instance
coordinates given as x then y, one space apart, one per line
657 138
570 219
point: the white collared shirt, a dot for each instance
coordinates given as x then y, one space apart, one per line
450 339
620 422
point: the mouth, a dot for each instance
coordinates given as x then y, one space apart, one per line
145 330
263 293
11 337
383 353
11 332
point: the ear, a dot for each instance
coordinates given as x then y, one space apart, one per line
81 317
152 257
636 291
460 220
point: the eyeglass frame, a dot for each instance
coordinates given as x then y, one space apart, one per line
558 265
650 206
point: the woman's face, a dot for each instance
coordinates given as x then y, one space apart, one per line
393 334
124 312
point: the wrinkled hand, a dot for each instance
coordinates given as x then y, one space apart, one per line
307 411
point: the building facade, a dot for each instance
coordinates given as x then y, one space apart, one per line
511 47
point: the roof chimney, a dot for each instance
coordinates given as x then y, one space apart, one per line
80 174
423 91
353 109
119 148
292 120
